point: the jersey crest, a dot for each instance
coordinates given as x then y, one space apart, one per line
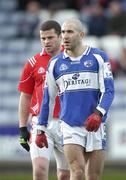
63 67
41 70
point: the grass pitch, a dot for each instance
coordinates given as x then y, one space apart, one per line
108 175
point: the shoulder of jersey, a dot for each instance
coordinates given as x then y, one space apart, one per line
32 60
101 52
57 57
97 50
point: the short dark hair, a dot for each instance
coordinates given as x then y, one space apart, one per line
51 24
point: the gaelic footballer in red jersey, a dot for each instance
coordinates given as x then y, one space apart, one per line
32 81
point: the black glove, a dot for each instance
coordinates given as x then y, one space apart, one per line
24 138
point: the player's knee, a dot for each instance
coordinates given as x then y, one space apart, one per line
78 173
63 175
77 170
39 172
40 168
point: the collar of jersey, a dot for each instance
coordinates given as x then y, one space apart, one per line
43 52
86 52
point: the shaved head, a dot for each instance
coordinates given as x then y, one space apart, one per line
75 23
72 37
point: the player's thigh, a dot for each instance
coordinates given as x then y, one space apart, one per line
94 162
61 161
40 158
74 155
44 152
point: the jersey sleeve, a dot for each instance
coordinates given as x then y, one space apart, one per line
26 83
50 93
106 83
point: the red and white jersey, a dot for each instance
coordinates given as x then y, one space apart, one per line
33 79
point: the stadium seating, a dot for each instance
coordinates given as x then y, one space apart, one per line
64 14
35 46
8 31
112 44
17 45
124 42
8 5
92 41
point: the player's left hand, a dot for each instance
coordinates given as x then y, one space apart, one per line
24 138
93 122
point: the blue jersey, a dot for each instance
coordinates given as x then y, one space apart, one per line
83 84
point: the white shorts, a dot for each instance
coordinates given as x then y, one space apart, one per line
79 135
54 138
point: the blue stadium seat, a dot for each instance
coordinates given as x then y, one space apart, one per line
8 31
16 45
8 5
35 46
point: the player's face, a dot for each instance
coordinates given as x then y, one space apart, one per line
50 40
70 36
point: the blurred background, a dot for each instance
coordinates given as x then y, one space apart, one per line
104 22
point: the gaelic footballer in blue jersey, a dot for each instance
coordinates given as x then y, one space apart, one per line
84 85
82 77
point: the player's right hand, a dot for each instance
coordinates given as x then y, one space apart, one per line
93 121
24 138
41 140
